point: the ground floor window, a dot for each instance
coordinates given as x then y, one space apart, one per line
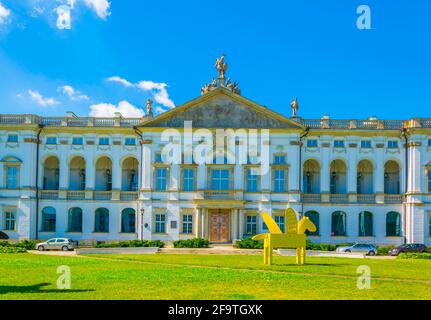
251 225
9 220
49 219
128 221
365 224
187 224
160 223
75 220
101 222
281 222
339 224
314 217
393 224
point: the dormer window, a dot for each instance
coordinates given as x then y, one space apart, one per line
51 140
338 143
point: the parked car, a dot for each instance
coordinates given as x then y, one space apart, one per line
368 249
412 247
56 244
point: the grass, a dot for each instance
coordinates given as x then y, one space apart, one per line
26 276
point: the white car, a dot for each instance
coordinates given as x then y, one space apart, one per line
56 244
368 249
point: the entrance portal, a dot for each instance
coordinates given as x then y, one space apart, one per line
219 226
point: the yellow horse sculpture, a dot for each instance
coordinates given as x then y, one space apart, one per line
294 238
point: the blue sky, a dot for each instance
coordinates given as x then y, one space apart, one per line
95 56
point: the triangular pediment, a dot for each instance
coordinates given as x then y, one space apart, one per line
222 109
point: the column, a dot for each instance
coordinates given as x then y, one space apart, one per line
90 176
146 167
64 173
116 176
241 224
352 175
198 223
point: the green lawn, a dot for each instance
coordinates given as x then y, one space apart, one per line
163 276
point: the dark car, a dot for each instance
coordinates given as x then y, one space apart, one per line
409 248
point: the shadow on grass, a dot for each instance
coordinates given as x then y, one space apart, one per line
37 288
310 265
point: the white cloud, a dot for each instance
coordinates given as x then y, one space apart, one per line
100 7
126 109
40 100
64 18
158 90
4 14
73 94
119 80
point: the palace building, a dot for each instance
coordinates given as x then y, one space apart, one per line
105 179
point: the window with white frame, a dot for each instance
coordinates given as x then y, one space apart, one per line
160 223
279 159
12 138
12 176
252 180
281 221
103 141
130 141
251 224
161 179
220 179
77 141
366 144
9 219
189 179
188 224
312 143
51 140
393 144
338 143
279 180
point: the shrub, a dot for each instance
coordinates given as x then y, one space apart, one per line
321 246
27 244
132 244
5 244
249 244
192 243
384 250
414 256
11 249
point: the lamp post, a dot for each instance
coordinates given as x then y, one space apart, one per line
142 223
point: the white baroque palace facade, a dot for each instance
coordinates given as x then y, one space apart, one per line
94 179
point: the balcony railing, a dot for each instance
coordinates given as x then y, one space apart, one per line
76 195
129 196
312 198
356 124
366 198
102 195
339 198
49 194
220 195
393 198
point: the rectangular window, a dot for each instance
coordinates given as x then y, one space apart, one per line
279 180
12 177
161 179
9 220
312 143
12 138
189 179
251 225
279 159
130 142
281 222
51 140
429 179
429 143
77 141
103 141
366 144
159 157
338 143
252 181
160 223
188 224
220 179
393 144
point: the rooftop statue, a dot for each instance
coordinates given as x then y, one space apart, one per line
149 108
221 67
295 106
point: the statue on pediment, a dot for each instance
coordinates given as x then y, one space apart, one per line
221 67
295 106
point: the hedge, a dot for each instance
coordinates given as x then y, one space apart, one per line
22 246
7 249
414 256
249 244
192 243
133 244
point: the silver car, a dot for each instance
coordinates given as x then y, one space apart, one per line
56 244
368 249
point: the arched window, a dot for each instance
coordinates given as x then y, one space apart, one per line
311 177
128 221
104 174
77 174
393 224
365 177
49 219
51 173
365 224
338 177
314 217
392 178
130 173
75 220
338 224
101 220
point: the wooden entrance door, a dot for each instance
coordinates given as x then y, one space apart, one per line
219 226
